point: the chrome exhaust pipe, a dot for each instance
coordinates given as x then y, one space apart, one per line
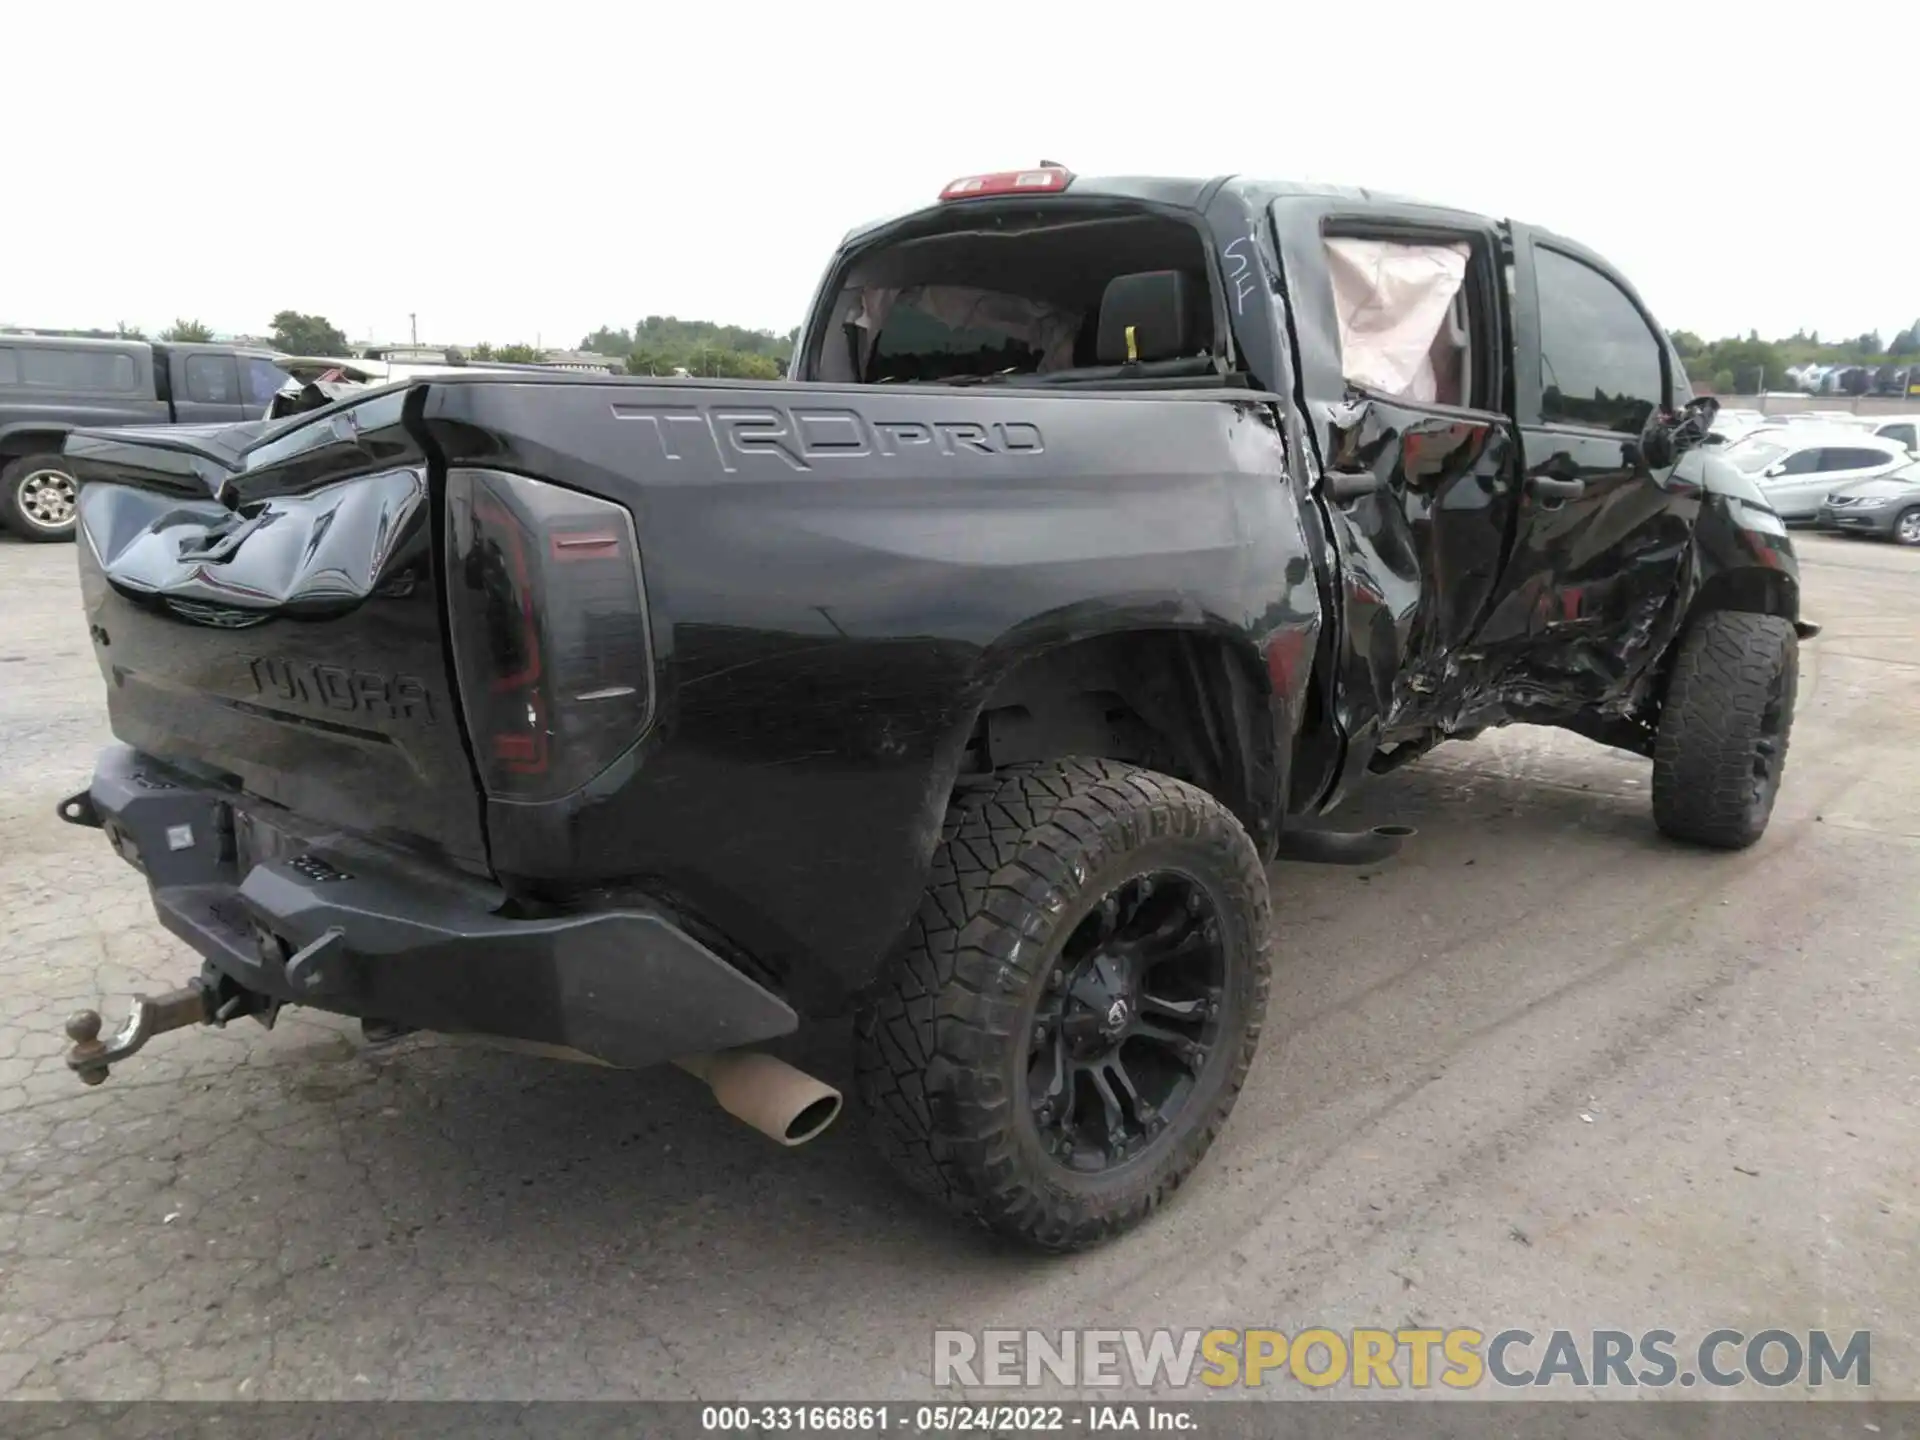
786 1105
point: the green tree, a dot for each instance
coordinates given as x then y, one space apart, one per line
124 331
1869 345
1907 342
187 331
1753 362
297 334
650 361
1722 382
608 341
482 351
516 354
1687 343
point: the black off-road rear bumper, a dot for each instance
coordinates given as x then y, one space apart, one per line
284 914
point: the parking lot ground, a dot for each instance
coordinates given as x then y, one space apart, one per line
1544 1070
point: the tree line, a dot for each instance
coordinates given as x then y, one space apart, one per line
655 345
1751 364
668 345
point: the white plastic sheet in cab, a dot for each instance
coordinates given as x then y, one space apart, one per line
1400 331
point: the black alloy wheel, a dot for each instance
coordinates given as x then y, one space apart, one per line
1129 1018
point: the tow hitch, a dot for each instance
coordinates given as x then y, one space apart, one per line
91 1056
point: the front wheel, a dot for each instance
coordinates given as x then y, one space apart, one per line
1070 1019
1906 528
1722 741
39 498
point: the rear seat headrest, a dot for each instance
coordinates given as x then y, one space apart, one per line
1165 310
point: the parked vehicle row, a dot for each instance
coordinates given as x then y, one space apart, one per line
1891 379
51 385
1859 474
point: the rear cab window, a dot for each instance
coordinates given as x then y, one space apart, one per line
1050 293
1416 318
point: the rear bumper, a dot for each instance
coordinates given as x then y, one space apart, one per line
327 920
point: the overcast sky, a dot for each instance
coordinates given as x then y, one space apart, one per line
513 170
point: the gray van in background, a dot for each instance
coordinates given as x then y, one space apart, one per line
52 384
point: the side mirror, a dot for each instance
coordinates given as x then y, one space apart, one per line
1773 472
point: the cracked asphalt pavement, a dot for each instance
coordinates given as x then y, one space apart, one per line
1544 1069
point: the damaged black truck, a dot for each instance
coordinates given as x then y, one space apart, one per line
1105 534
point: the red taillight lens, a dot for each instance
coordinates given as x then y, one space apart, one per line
550 639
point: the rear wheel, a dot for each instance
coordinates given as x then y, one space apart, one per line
1078 999
1722 742
39 498
1906 529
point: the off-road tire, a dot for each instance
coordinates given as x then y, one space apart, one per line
941 1040
13 515
1729 707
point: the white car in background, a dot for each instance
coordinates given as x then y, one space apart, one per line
1796 465
1733 425
1901 429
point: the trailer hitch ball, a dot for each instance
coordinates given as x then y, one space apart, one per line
83 1028
91 1057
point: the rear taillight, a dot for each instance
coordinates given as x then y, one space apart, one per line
550 638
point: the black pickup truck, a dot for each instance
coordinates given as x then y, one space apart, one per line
1103 536
50 385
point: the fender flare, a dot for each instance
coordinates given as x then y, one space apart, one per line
55 430
1742 556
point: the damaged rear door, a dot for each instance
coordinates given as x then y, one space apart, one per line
1587 601
1402 334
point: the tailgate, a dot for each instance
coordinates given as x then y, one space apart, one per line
268 608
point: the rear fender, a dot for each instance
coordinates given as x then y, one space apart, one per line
1160 684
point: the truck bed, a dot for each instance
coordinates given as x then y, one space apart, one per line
834 578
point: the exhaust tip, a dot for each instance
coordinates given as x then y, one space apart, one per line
788 1106
812 1120
1395 832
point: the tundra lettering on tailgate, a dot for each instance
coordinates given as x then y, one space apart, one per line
361 692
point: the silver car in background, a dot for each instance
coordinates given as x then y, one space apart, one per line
1887 506
1798 466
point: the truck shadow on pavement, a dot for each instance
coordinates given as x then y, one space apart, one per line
432 1183
523 1135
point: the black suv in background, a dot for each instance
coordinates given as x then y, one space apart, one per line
50 385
